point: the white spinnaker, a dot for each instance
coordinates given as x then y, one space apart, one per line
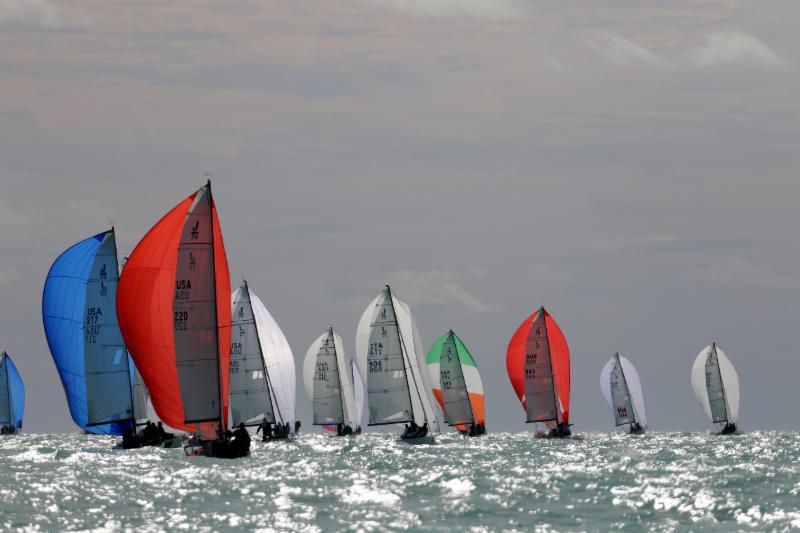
420 396
634 387
278 360
345 366
730 382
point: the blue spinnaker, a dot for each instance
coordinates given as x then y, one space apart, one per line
80 321
12 393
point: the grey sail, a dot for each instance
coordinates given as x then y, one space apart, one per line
715 388
387 381
194 307
5 395
620 395
249 387
106 362
540 395
139 397
457 407
327 386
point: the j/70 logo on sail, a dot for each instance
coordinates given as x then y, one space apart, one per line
196 231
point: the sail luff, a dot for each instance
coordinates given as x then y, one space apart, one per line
406 359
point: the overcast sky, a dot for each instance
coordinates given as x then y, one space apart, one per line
631 165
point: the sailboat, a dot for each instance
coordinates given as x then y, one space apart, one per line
12 396
175 315
622 389
716 386
389 353
262 387
537 361
80 322
329 378
457 384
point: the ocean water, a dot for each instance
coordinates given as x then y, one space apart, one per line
660 481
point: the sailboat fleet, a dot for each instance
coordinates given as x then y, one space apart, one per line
165 343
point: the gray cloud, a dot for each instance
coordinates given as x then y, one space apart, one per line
734 48
621 51
479 9
438 287
737 271
30 13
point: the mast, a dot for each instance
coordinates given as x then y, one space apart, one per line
270 390
466 389
338 372
550 356
721 383
211 208
124 346
627 388
404 353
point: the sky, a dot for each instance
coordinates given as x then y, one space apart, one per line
631 165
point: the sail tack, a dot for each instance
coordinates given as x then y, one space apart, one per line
80 322
12 393
716 385
174 312
456 382
329 381
622 389
388 352
538 367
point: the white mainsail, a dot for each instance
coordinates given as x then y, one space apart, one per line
716 385
276 376
388 343
622 389
328 379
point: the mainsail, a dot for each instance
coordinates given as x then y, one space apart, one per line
538 366
80 322
457 384
622 389
262 364
12 393
328 379
716 385
174 312
388 353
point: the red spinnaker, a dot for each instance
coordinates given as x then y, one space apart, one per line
145 298
559 354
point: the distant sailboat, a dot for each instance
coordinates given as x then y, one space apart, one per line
329 377
457 384
716 386
389 355
622 389
262 371
174 312
12 396
80 322
538 367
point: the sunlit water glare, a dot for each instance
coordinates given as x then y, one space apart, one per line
373 482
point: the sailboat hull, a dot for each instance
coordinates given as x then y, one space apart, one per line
426 439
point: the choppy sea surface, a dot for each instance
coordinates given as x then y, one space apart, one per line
660 481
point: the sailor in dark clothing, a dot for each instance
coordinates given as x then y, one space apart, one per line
266 430
129 439
728 429
150 434
339 430
297 425
241 441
